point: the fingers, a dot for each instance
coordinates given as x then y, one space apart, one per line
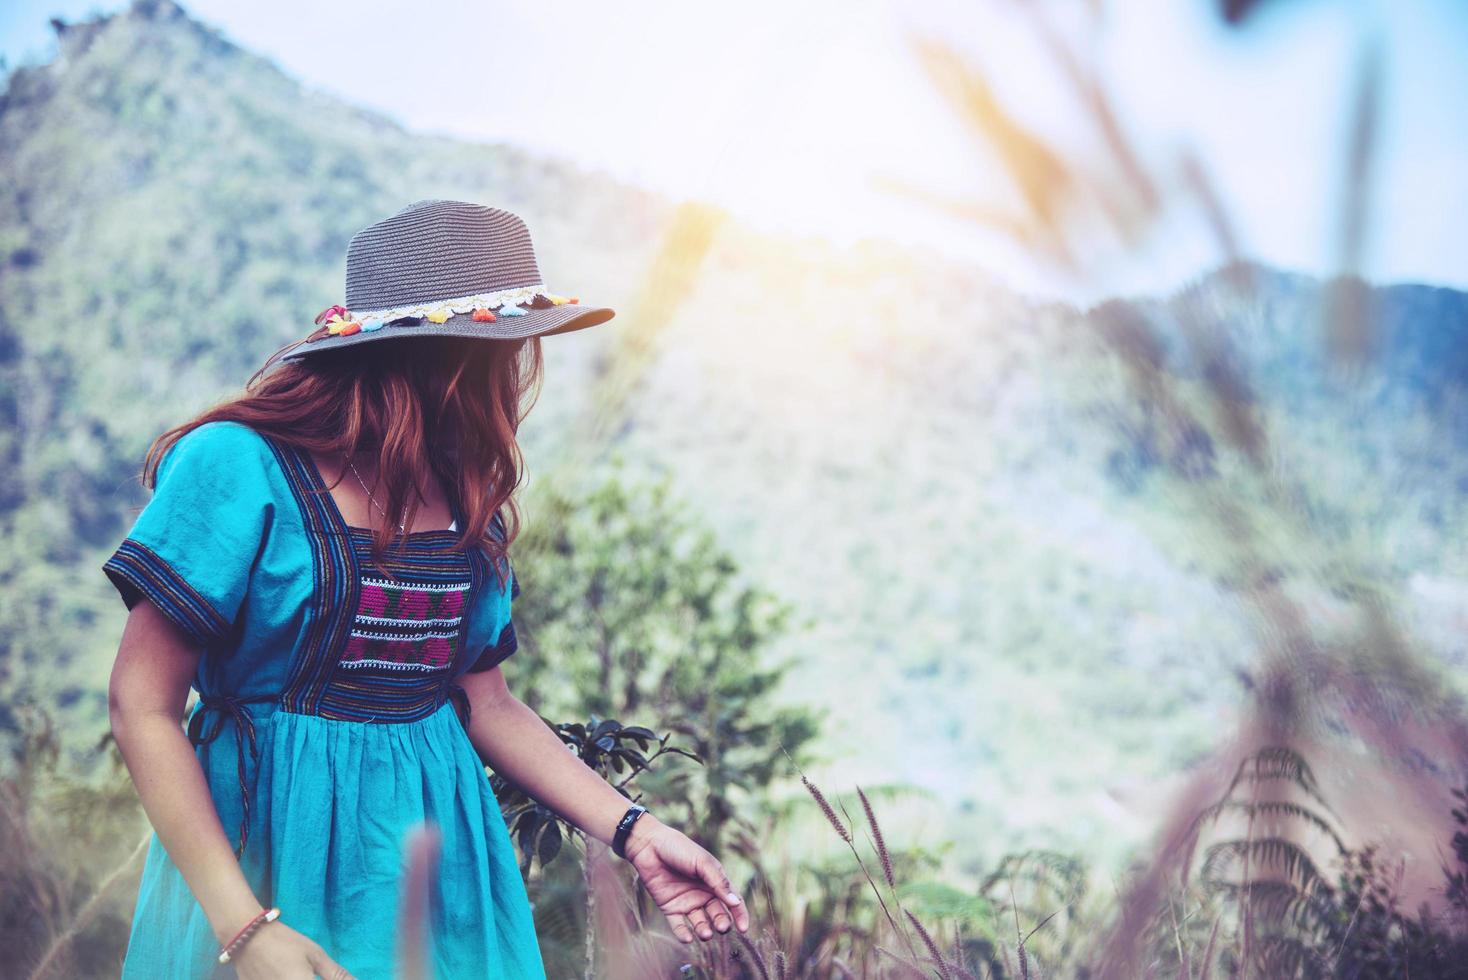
702 921
713 875
718 914
699 920
680 927
710 905
717 880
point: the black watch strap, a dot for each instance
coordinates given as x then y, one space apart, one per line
624 827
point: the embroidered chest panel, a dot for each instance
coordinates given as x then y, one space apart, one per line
378 647
406 625
405 633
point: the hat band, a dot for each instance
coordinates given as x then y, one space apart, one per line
457 304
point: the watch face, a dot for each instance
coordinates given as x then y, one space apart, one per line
624 825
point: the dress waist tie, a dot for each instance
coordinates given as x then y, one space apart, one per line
231 705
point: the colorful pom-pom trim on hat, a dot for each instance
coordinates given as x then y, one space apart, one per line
338 321
459 304
332 313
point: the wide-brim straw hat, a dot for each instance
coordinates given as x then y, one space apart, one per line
444 268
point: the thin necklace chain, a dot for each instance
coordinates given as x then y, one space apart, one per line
402 525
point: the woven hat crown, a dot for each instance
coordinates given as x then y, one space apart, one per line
435 250
445 269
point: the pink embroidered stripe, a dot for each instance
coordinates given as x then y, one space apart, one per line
405 625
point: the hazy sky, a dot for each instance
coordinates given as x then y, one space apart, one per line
786 110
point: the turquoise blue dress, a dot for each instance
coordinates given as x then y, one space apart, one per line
329 722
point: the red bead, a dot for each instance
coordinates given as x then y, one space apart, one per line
484 316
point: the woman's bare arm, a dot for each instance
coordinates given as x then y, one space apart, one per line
512 738
146 696
684 878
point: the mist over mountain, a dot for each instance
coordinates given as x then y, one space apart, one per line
1011 597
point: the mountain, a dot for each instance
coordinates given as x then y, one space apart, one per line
1014 595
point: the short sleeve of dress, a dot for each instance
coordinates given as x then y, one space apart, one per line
505 642
193 547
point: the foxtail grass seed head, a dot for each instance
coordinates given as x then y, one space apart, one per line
759 960
933 949
827 809
878 841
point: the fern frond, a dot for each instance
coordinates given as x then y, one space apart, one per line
1278 808
1270 852
1278 762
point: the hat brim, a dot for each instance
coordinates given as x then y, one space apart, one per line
551 320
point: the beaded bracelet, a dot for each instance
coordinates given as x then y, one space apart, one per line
269 915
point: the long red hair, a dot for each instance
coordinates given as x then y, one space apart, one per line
450 406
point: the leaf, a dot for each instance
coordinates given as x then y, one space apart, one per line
527 830
550 843
936 899
633 757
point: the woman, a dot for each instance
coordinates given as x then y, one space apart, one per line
325 560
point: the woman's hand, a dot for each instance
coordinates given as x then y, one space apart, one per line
278 952
685 881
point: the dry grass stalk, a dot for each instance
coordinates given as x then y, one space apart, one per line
670 279
826 808
1045 183
1285 687
1024 960
878 841
626 949
422 845
903 962
1184 966
1208 950
927 938
906 939
1346 305
958 953
754 954
88 909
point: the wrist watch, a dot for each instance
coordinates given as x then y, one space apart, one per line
624 827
